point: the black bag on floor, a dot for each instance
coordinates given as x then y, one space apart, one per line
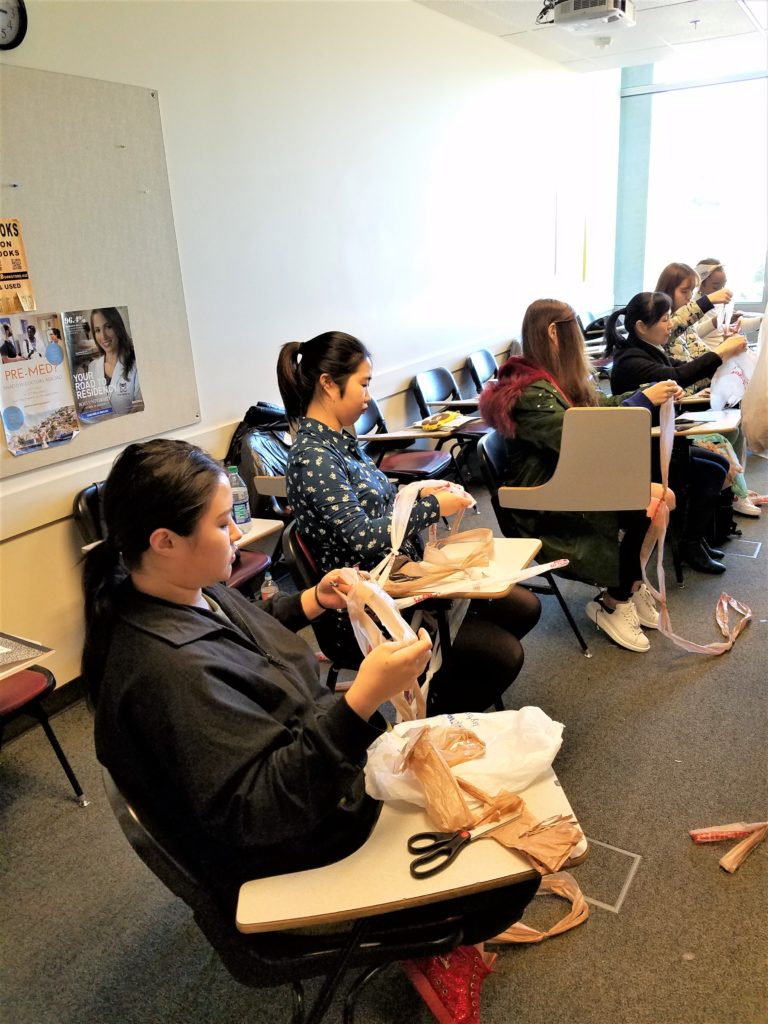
723 526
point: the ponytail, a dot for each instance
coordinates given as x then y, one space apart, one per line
293 389
301 365
647 307
103 572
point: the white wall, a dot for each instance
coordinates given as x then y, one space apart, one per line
369 166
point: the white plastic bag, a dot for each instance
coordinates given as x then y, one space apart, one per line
731 379
754 408
520 745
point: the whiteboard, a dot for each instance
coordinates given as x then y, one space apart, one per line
83 169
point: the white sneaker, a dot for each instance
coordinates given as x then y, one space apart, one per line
621 624
645 606
745 507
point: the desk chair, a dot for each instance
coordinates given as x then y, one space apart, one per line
87 510
264 457
491 451
22 694
482 367
439 385
407 465
270 959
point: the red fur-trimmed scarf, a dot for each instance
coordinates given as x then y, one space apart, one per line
499 397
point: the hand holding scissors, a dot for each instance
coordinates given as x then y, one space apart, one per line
442 847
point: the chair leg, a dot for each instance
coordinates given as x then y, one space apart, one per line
567 612
350 1003
42 717
333 978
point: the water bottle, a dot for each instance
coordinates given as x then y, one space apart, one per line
241 511
268 588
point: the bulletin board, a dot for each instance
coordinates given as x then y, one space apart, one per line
83 170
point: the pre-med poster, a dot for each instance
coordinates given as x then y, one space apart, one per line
16 293
35 389
103 362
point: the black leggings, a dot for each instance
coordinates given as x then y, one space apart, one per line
486 656
635 526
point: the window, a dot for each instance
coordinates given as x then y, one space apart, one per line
693 168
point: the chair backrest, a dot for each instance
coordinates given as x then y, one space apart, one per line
604 465
264 453
371 422
433 386
88 513
144 835
482 366
491 452
299 558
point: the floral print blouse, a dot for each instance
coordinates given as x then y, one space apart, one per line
684 342
342 502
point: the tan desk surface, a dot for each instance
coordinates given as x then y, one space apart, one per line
418 433
457 403
727 419
36 653
258 529
510 555
376 878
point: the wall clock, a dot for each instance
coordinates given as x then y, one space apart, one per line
13 23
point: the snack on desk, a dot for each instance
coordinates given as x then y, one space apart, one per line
439 420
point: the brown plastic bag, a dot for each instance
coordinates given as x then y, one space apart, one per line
561 884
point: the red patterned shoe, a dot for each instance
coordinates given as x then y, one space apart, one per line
450 985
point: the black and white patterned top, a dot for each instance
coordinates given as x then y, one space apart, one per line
343 502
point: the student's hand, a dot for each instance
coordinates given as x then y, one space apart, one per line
450 500
332 589
733 328
389 669
662 391
731 346
723 295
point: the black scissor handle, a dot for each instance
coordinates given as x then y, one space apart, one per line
423 842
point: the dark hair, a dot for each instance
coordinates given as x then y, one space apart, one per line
568 363
673 275
159 483
6 328
300 366
57 332
125 350
649 307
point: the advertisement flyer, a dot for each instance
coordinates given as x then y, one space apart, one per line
35 389
16 295
103 362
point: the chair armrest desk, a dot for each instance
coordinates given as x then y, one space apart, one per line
376 878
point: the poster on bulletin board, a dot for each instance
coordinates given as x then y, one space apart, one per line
38 410
103 361
16 293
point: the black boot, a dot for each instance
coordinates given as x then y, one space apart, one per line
694 553
716 553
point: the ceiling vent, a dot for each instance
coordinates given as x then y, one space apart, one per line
583 15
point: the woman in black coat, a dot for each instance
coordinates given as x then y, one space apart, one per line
639 359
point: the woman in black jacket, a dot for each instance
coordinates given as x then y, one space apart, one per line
209 709
639 359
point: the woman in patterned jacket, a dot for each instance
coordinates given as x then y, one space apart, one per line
343 506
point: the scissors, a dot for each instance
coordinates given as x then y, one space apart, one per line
442 847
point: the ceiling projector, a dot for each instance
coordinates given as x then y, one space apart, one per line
580 15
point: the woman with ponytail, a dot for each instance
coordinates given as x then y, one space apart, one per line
526 405
208 709
640 357
343 506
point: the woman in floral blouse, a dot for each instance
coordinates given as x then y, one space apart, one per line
343 507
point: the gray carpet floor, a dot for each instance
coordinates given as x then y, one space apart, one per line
654 745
